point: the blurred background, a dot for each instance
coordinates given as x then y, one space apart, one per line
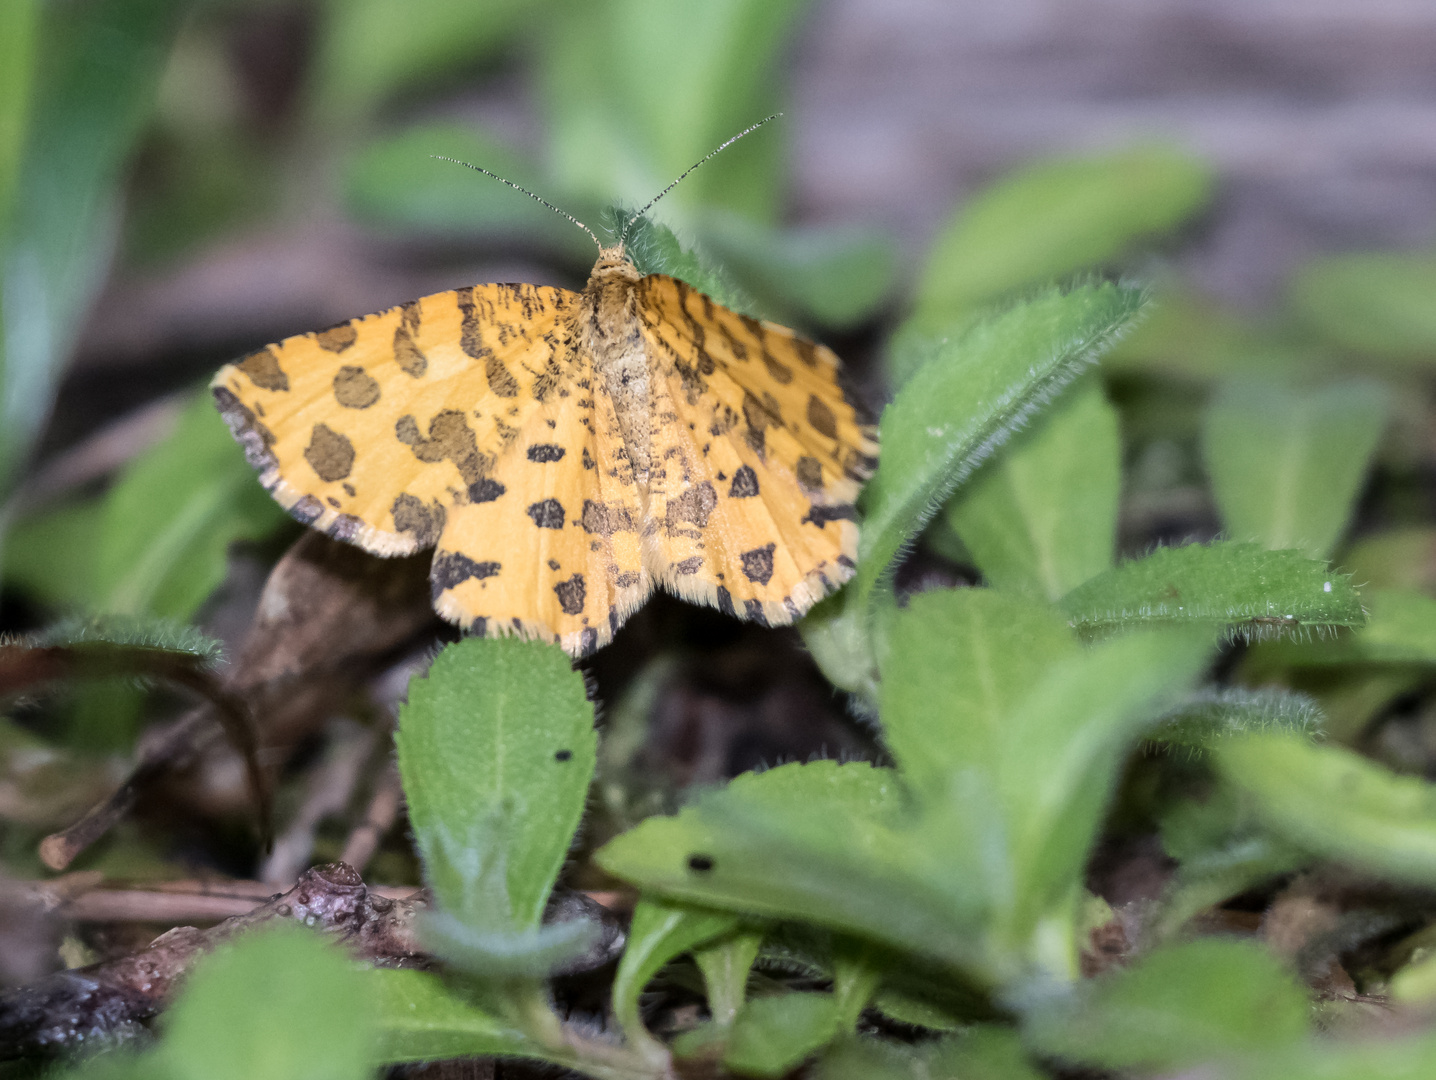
182 182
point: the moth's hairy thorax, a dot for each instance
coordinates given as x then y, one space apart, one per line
610 328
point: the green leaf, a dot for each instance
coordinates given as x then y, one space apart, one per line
772 1035
957 664
725 964
1176 1006
660 931
368 49
1376 303
1336 804
170 518
51 554
1254 592
839 636
419 1018
1403 558
837 275
636 91
1042 517
1383 1058
1191 337
277 1003
981 1052
1054 218
395 181
655 249
1400 629
1058 760
820 843
134 631
19 26
1211 715
1287 464
496 750
95 69
967 400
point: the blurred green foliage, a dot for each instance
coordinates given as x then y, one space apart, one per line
946 889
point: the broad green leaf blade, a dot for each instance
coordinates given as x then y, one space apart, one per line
1382 1058
1042 516
970 398
496 750
1400 629
835 275
772 1035
1177 1006
660 931
821 843
981 1052
1287 464
170 518
278 1003
1054 218
1371 303
636 91
1254 592
419 1019
958 663
95 69
1336 804
50 555
1191 337
1212 715
368 49
725 964
1402 558
1061 751
839 636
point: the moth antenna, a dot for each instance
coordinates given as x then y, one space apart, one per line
750 128
537 199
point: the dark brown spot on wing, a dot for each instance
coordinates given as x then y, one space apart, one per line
605 519
543 453
745 483
407 354
780 372
571 594
690 565
329 453
758 564
693 506
337 338
821 417
810 474
451 439
547 514
306 510
355 388
449 569
627 580
425 521
264 371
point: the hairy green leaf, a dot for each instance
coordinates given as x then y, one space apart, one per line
969 399
1254 592
496 750
981 1052
660 931
1287 464
279 1003
958 663
19 26
1400 629
170 518
1214 714
1053 218
1334 803
1176 1006
1376 303
1042 516
419 1018
772 1035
